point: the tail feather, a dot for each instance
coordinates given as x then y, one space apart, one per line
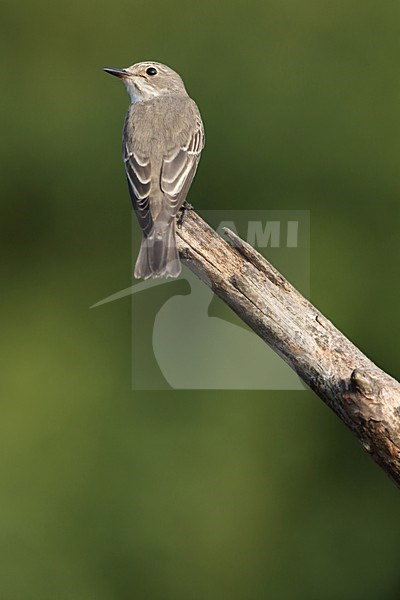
158 256
142 267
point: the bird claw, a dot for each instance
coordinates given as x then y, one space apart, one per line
185 207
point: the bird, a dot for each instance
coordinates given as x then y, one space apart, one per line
163 137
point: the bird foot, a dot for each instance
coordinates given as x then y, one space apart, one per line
185 207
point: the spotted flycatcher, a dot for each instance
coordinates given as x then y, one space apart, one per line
162 141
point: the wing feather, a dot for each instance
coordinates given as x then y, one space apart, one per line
138 173
179 167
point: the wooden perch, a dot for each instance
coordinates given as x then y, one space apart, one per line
366 398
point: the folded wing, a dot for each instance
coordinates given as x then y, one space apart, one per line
138 173
178 169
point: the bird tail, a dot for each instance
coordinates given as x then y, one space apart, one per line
158 256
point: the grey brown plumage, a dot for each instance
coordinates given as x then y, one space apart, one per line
163 138
162 141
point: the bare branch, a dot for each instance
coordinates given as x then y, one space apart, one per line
366 398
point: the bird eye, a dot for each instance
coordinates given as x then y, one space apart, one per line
151 71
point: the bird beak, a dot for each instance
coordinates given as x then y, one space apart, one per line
121 73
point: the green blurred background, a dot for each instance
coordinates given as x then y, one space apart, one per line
108 493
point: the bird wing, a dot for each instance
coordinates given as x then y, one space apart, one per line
179 167
138 173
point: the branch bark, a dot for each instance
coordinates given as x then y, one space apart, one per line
365 398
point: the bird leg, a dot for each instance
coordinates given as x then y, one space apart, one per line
185 207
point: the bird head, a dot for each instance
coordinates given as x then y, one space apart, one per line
146 80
